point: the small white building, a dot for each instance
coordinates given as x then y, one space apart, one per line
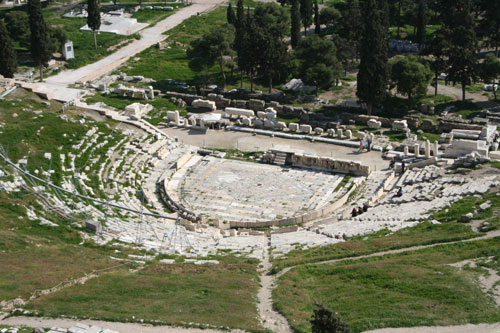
68 50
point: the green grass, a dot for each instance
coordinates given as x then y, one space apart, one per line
422 234
120 102
154 16
403 290
219 295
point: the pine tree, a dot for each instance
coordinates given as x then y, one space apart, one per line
8 56
230 15
41 45
306 13
317 27
421 23
372 75
94 18
295 16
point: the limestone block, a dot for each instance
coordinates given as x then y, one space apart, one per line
173 116
318 131
232 111
361 135
268 124
203 103
399 124
305 128
239 104
247 121
294 127
281 125
261 114
372 123
256 104
348 134
331 132
137 110
340 133
258 123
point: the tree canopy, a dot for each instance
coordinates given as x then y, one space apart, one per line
410 76
41 44
317 62
8 56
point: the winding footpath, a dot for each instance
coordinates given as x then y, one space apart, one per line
269 317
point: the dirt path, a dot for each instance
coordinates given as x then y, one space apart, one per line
120 327
270 318
456 93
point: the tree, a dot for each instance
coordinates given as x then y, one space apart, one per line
8 56
241 37
372 75
269 51
59 37
231 19
325 320
491 23
94 18
306 13
295 18
490 71
317 27
211 48
41 45
421 23
18 26
329 16
384 13
317 62
437 47
410 76
459 25
350 29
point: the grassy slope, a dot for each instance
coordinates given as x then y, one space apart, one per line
221 295
410 289
40 257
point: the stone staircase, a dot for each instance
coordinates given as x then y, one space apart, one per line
280 158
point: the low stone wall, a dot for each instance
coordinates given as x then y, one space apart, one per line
330 164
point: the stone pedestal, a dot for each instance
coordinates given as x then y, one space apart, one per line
436 149
427 149
417 150
340 133
348 134
406 150
151 93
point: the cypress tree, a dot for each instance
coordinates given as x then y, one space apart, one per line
350 28
94 18
462 60
372 75
383 6
230 15
306 12
41 45
295 15
8 56
317 28
421 23
241 37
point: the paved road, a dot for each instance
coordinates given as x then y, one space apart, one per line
149 37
